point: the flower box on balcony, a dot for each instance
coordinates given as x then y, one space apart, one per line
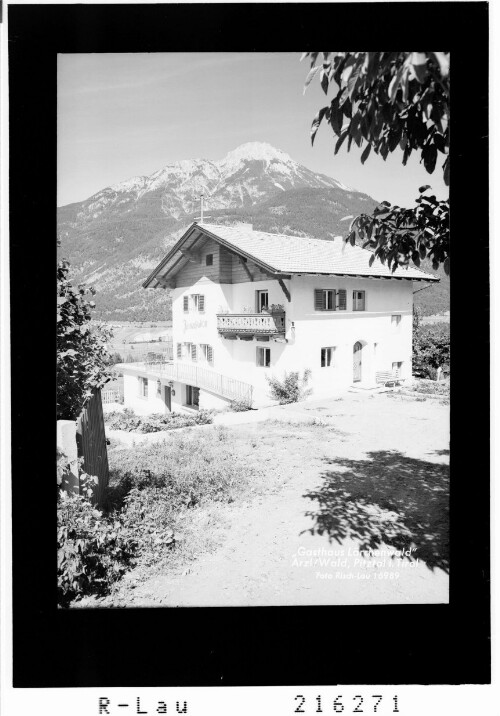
259 324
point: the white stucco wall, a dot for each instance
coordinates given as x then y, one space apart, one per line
307 331
142 406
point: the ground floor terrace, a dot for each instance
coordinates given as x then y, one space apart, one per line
159 385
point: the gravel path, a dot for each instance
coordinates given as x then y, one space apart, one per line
381 471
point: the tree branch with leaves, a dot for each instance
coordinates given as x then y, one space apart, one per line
82 354
392 101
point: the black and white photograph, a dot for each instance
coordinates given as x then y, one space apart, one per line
231 273
264 243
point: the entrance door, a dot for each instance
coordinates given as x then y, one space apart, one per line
357 362
168 398
192 396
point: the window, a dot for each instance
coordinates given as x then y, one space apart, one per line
263 357
198 301
324 299
327 357
143 387
209 260
186 304
395 321
396 366
358 300
262 300
207 353
330 299
192 396
190 351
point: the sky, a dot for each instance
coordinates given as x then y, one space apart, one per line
122 115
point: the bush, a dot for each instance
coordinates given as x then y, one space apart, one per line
240 406
432 388
93 551
291 389
128 420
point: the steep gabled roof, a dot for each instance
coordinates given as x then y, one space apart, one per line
286 254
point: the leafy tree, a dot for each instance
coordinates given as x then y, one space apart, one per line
82 356
388 101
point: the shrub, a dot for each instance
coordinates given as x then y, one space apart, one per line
128 420
93 551
291 389
432 388
240 406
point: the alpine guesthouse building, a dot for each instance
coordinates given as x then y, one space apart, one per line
248 304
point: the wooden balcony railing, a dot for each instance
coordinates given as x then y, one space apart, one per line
261 324
201 377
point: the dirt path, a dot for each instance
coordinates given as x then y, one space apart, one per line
380 475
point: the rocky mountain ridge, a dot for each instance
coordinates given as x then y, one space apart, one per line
115 237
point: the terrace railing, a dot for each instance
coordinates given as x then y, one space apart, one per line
262 324
201 377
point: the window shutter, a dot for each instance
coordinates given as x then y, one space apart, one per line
193 351
179 350
342 294
210 354
186 304
201 302
259 357
319 299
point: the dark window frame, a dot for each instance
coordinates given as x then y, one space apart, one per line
330 299
266 360
327 357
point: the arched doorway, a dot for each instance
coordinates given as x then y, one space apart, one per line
356 362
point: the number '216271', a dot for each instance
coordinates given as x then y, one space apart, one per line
359 705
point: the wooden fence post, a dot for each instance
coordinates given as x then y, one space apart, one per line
91 444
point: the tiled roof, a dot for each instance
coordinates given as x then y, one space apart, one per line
299 254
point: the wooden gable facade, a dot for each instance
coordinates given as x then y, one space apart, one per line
223 267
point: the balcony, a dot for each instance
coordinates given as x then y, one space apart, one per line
251 324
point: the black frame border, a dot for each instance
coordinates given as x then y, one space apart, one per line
427 644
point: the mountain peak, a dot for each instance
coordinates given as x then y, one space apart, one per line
257 150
